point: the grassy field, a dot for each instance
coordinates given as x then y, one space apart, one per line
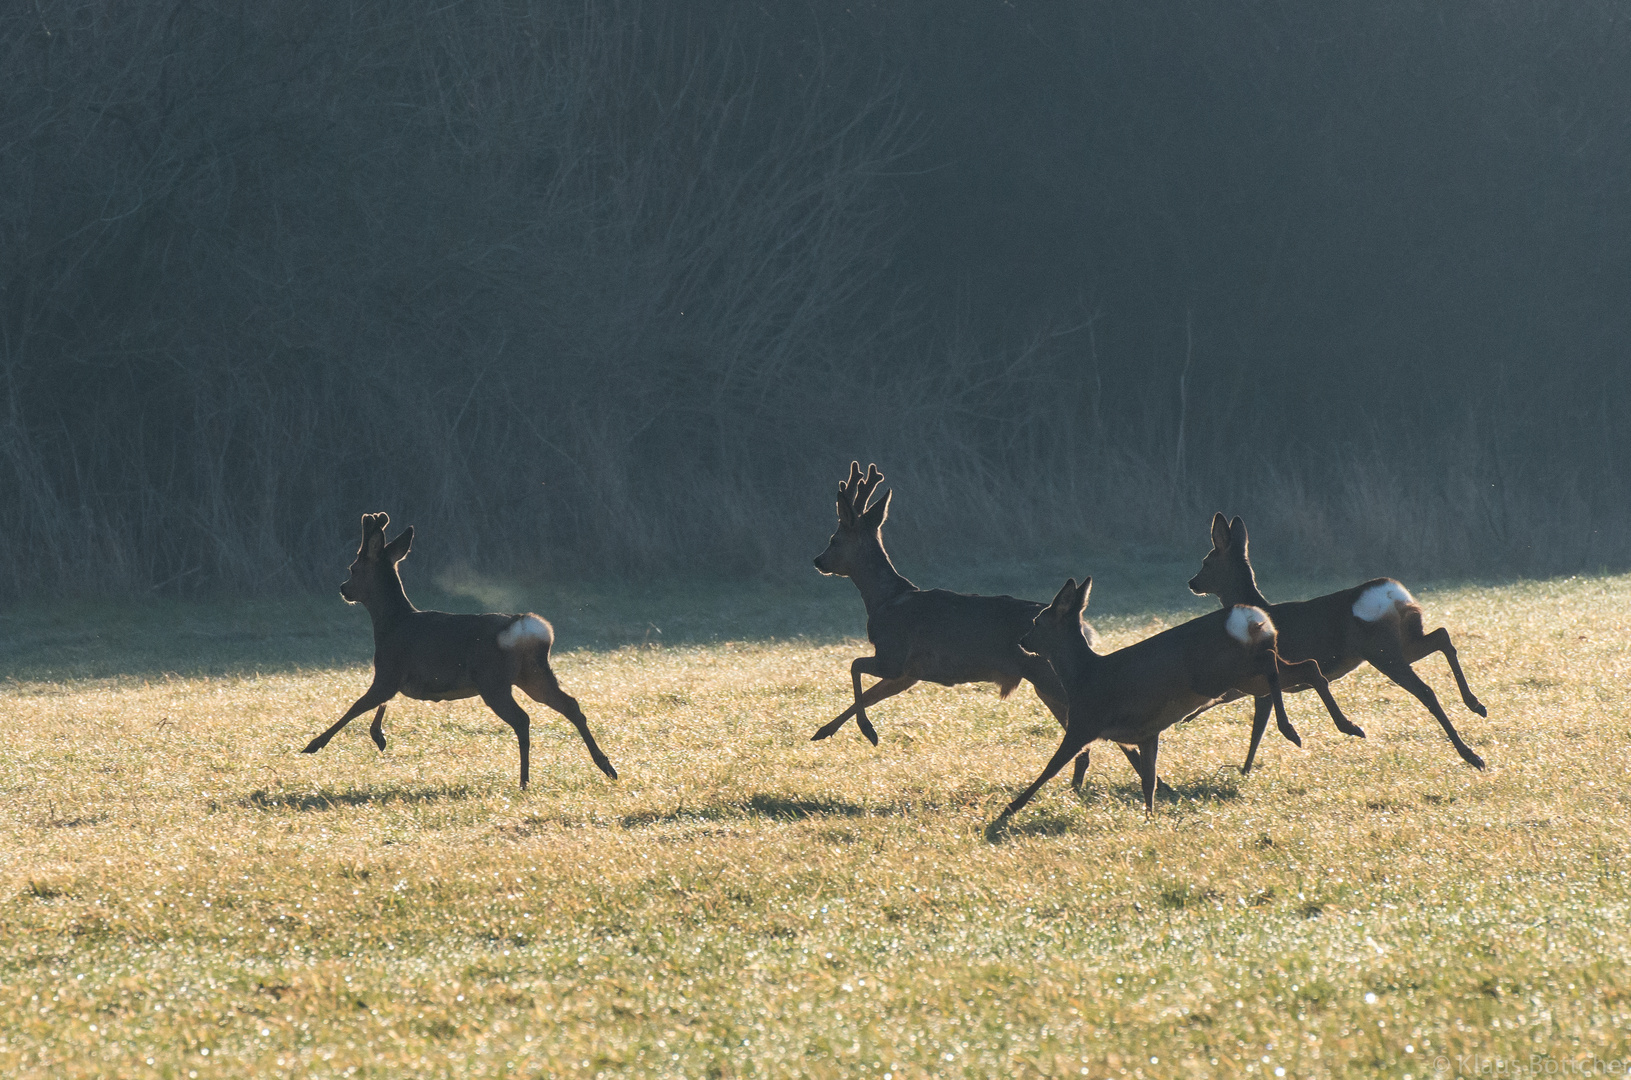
183 894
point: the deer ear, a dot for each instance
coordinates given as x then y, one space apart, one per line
874 517
1066 594
1237 533
1220 531
398 549
1081 598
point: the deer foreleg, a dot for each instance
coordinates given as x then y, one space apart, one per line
376 730
883 688
378 694
1144 764
866 665
1439 641
1078 775
551 694
1072 745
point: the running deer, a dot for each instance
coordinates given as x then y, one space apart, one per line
1378 623
1130 696
943 637
435 656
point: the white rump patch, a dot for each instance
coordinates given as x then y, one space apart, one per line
1247 624
527 630
1378 601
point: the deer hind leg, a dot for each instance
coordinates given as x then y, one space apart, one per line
376 730
378 694
542 686
1439 641
1261 707
883 688
1308 671
1395 668
504 704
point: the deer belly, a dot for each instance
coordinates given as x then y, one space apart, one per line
1132 730
450 688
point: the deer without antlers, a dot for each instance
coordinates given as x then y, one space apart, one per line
1378 623
435 656
1130 696
934 635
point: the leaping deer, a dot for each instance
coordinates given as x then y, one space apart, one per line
435 656
1378 623
1130 696
934 635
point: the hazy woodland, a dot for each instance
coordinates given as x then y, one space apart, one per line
619 289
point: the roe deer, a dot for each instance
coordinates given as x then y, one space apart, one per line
435 656
1130 696
1378 622
943 637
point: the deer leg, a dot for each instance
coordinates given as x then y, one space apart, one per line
1143 762
1261 707
1308 671
504 704
1040 674
883 688
544 688
376 730
1395 668
1439 641
378 694
866 665
1072 745
1080 774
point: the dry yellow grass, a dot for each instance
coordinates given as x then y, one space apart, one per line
183 894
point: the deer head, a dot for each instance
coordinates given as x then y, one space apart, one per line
1060 622
374 575
1227 570
859 526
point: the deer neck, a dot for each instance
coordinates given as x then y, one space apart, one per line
1242 588
1074 661
880 583
389 606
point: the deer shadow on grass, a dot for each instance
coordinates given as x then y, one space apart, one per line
319 801
760 805
1202 789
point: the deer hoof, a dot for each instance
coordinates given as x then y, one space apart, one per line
1470 757
1477 706
313 746
1348 727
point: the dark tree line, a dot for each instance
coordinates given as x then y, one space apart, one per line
622 287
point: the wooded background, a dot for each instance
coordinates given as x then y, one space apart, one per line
621 288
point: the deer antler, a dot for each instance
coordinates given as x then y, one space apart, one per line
864 488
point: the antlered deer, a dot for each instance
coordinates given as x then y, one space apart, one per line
1378 623
934 635
435 656
1130 696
